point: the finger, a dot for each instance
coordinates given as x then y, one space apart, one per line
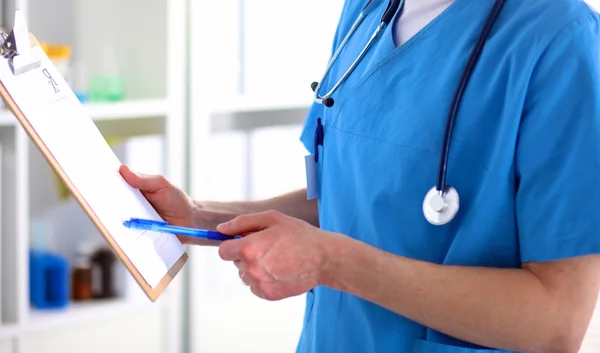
197 241
144 182
243 271
130 177
247 279
230 250
249 223
258 293
240 265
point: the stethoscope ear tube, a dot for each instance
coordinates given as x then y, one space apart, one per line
389 13
326 101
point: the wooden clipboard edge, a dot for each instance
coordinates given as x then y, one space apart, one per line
153 294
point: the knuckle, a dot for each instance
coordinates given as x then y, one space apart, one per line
262 287
247 251
239 219
267 290
270 296
162 179
272 214
256 292
253 272
159 181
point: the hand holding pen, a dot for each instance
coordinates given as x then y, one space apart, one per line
186 232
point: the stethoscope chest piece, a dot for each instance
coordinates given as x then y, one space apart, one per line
440 208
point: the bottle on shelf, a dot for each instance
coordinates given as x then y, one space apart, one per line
82 274
93 273
48 271
106 84
79 75
103 261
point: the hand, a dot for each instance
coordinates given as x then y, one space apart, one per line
280 256
171 203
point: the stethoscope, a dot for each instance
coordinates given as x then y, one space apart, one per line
441 203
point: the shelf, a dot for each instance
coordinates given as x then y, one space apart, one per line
129 118
81 313
6 117
118 119
8 331
76 314
249 113
134 109
249 103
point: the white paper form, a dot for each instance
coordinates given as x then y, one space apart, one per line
71 136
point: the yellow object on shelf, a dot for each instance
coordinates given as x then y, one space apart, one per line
64 194
60 55
56 51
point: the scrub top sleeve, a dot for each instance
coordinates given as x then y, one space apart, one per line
558 150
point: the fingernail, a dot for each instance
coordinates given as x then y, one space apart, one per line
222 226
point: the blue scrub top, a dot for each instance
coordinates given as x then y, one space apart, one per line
525 154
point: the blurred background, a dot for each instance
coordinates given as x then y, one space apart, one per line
211 94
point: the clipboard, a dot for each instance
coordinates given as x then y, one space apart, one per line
47 108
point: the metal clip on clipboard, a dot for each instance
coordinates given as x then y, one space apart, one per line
16 47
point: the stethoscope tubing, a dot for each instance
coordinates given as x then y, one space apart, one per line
453 111
386 18
442 201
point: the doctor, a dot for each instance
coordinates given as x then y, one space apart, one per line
497 104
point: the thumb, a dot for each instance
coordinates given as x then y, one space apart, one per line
149 183
249 223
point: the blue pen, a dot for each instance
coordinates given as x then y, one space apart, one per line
164 227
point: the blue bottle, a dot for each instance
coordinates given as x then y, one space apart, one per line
48 280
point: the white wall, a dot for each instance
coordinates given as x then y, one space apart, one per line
591 343
273 54
594 3
62 31
287 44
222 303
277 164
6 347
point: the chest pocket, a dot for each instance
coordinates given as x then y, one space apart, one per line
401 105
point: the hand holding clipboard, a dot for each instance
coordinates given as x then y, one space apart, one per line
178 211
